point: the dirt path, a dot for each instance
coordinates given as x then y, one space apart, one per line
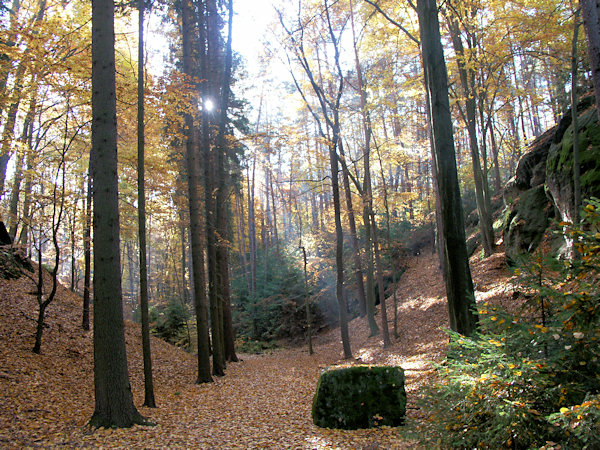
262 402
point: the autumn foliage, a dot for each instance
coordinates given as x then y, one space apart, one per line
532 377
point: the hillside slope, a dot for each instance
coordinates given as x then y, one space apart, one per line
263 401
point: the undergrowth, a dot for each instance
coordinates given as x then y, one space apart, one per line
530 378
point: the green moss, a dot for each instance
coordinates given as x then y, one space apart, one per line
560 156
360 397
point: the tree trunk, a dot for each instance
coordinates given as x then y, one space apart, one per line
25 141
87 256
360 286
223 215
114 400
196 231
369 250
147 353
339 253
384 319
575 125
459 285
307 303
207 44
591 24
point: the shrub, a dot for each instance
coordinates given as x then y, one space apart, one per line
244 345
170 323
531 378
277 308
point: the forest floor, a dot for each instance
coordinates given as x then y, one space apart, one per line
264 401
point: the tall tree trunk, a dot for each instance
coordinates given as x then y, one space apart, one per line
307 303
575 125
591 24
223 215
459 284
339 252
207 43
25 143
368 238
384 319
73 225
196 230
147 353
182 235
114 400
241 227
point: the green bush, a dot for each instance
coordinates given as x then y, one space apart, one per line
277 308
531 378
244 345
360 397
169 323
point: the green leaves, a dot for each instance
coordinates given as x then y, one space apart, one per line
531 376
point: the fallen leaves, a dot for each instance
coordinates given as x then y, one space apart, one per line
263 402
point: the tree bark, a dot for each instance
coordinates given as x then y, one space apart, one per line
591 24
223 214
207 44
459 284
575 125
87 256
196 230
146 350
114 400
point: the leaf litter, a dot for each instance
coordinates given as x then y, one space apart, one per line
264 401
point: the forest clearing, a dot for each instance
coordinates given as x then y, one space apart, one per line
263 402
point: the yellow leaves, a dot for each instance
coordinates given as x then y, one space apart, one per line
495 342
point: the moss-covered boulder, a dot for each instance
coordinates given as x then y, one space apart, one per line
544 177
525 222
360 397
13 263
559 165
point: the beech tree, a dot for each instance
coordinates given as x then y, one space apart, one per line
329 108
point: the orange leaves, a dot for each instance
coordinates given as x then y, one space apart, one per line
262 402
